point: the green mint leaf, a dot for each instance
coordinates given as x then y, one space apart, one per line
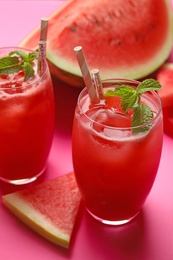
128 94
9 65
21 54
142 115
28 58
18 60
28 70
148 85
120 91
32 56
130 98
128 101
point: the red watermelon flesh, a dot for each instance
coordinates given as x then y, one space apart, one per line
165 77
121 38
49 208
168 120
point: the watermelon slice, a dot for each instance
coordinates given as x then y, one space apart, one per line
168 120
49 208
165 77
128 39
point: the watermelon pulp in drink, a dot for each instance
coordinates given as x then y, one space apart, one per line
27 117
114 168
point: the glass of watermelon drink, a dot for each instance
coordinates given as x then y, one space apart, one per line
115 163
27 115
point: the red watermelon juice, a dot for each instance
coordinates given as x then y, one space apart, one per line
27 117
114 168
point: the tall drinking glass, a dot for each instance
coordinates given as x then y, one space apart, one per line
27 115
115 164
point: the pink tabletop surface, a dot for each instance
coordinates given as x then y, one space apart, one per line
149 236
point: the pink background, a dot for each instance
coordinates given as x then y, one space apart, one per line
149 236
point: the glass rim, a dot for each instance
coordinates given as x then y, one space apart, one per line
29 82
116 80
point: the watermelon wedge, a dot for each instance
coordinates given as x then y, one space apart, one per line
128 39
49 208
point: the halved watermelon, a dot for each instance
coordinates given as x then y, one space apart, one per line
129 38
165 77
168 120
49 208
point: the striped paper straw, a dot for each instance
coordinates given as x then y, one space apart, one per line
86 74
42 46
95 75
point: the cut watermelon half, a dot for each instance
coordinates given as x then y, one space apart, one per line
165 77
168 120
128 39
49 208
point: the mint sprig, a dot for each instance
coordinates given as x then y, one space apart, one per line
18 60
130 99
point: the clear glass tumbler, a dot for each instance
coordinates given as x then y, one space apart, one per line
27 115
115 164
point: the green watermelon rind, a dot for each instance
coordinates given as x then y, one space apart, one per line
62 199
35 220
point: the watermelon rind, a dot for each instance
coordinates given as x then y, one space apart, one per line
34 220
69 23
41 223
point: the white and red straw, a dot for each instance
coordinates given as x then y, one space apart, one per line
86 74
95 75
42 46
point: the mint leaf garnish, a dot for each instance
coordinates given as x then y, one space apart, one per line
28 70
9 65
142 115
148 85
18 60
130 98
